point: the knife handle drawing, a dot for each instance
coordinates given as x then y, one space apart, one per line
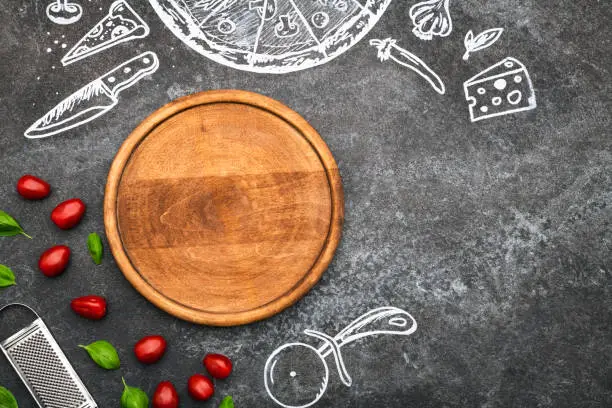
94 99
130 72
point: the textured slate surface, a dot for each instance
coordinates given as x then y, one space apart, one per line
495 235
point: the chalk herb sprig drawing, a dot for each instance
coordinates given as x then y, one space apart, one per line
481 41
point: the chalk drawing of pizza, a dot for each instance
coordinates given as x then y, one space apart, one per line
270 36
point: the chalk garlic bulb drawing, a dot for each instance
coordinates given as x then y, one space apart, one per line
296 375
481 41
431 17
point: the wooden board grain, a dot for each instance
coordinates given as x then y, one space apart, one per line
223 207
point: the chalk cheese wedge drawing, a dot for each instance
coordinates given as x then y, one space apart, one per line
388 49
296 375
501 89
121 24
94 99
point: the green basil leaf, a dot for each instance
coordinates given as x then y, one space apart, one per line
7 400
9 226
133 397
227 402
94 244
104 354
7 278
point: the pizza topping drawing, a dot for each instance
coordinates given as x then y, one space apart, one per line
119 25
270 36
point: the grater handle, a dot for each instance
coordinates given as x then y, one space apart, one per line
17 305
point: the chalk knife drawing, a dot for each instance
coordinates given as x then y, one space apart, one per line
387 49
288 373
63 12
121 24
481 41
499 90
270 36
94 99
431 18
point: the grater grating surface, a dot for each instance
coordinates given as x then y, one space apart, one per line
44 368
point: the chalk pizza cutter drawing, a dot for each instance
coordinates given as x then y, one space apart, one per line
270 36
388 49
501 89
119 25
431 18
94 99
481 41
296 374
64 12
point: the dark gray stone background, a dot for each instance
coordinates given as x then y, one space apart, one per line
495 235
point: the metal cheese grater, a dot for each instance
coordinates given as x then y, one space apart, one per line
43 367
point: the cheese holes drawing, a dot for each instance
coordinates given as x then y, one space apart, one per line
296 375
387 49
481 41
431 18
95 98
64 12
270 36
501 89
120 24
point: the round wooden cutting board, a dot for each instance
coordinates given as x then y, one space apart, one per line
223 207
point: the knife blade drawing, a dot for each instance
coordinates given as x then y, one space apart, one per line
95 98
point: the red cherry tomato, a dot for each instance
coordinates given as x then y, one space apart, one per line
91 307
150 349
218 365
200 387
33 188
54 260
68 213
165 396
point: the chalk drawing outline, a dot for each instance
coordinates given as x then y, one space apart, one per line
63 12
119 10
78 108
499 75
431 18
226 26
388 49
265 8
254 47
483 40
396 320
286 27
320 19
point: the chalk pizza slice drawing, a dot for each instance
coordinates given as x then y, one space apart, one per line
270 36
